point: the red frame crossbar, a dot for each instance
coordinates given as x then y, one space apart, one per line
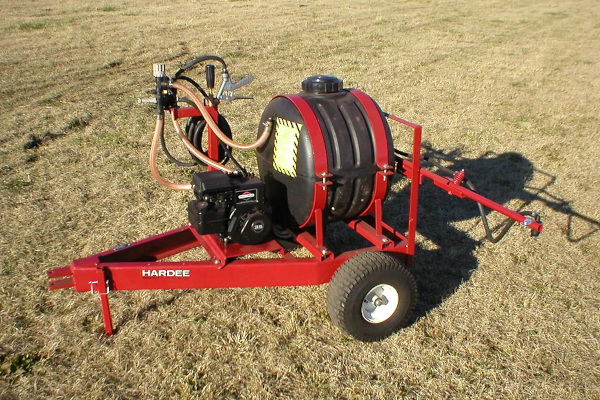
138 266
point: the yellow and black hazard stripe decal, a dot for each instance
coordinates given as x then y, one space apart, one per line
285 151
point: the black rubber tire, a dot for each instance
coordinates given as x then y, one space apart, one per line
351 283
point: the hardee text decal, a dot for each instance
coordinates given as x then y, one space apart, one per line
166 273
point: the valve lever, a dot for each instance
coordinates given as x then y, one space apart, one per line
226 92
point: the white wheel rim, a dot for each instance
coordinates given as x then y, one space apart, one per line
379 304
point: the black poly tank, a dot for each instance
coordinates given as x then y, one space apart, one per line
286 161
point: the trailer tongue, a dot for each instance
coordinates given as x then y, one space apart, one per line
325 154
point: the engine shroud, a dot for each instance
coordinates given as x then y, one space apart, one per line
324 132
232 206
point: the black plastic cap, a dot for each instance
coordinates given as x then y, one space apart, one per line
322 84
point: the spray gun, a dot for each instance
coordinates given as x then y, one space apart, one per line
226 92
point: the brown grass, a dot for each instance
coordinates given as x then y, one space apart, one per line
519 319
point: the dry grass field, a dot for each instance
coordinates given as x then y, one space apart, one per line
508 90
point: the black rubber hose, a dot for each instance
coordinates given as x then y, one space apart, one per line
195 131
401 153
163 145
195 84
229 156
198 60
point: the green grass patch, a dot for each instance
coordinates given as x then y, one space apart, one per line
78 122
109 8
33 25
15 185
41 23
18 364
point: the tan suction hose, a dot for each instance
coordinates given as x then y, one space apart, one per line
199 155
158 130
215 128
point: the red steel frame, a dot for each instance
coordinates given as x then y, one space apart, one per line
138 266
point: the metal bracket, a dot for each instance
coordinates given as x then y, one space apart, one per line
387 170
527 222
92 283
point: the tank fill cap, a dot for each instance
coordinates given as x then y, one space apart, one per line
322 84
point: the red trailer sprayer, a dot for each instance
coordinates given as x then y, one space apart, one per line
324 155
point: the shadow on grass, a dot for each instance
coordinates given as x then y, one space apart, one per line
445 259
152 306
511 176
